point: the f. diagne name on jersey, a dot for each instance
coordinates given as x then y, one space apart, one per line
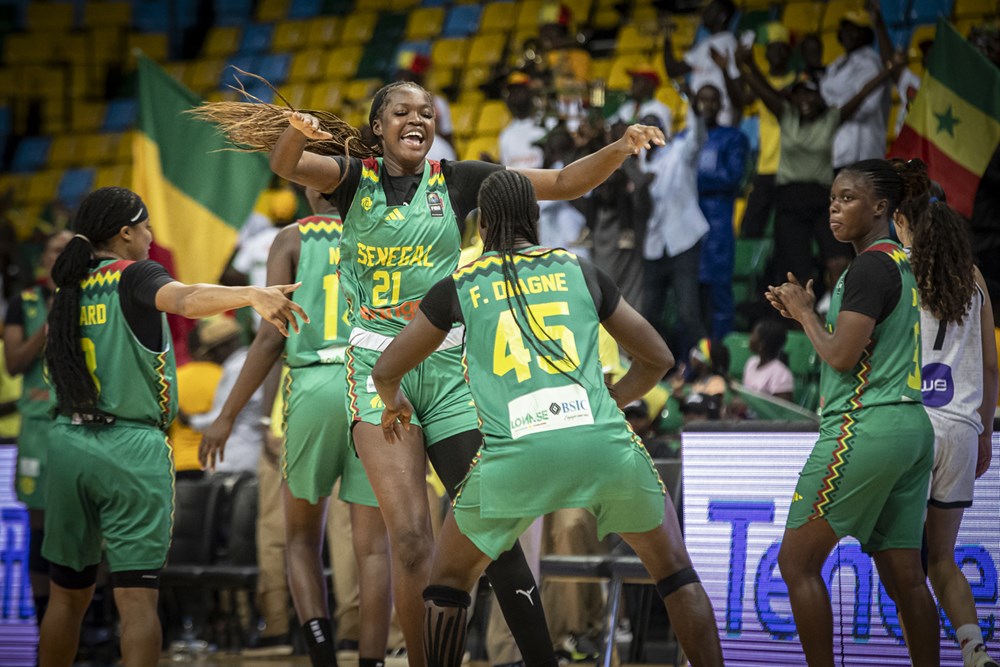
549 410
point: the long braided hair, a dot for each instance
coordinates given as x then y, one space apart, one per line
100 217
509 212
940 252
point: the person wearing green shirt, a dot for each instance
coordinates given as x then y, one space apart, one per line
111 364
868 474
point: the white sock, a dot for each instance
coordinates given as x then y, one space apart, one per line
969 637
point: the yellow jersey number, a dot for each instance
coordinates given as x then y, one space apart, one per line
90 355
384 282
510 353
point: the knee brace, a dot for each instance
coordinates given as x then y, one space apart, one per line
67 577
669 585
444 630
136 579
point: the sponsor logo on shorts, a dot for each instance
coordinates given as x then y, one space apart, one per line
549 410
938 385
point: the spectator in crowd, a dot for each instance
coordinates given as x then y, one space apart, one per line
805 170
760 201
721 166
642 100
562 224
811 53
765 372
699 62
197 381
671 246
703 395
518 141
863 135
414 67
566 63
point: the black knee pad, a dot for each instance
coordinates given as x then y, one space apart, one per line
66 577
36 561
136 579
669 585
446 596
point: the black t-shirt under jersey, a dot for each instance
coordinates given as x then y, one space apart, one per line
442 308
872 286
461 177
137 294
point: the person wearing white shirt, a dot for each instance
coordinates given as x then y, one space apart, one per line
862 137
518 142
672 244
642 100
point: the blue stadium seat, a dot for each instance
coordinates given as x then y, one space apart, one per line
245 63
435 3
5 131
261 92
151 15
256 38
233 12
275 67
423 47
304 9
462 21
75 184
120 115
31 154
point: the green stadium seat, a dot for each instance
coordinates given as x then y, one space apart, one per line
802 358
751 258
738 344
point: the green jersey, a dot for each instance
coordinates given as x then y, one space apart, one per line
34 401
393 254
521 391
323 339
889 369
133 382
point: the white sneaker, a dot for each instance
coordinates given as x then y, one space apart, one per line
980 658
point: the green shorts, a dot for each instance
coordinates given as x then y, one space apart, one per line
512 484
442 403
110 487
316 451
868 475
33 461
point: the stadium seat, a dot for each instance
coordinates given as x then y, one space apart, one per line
579 10
342 62
107 14
119 175
835 10
271 11
475 148
633 39
975 8
297 94
43 186
307 65
802 16
361 90
153 45
221 41
499 16
359 28
738 344
303 9
120 115
462 21
450 52
527 14
69 47
25 49
256 38
205 73
475 76
195 513
87 116
425 23
289 36
31 154
463 117
493 117
802 358
63 152
832 48
440 78
323 31
618 78
74 185
275 67
98 148
49 16
487 49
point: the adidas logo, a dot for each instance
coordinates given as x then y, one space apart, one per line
394 215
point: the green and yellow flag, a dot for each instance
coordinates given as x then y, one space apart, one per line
198 194
954 122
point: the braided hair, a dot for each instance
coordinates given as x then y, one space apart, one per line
508 211
884 180
940 253
100 217
382 94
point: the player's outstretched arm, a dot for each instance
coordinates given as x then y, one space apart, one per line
202 300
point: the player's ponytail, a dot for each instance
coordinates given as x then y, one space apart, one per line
100 217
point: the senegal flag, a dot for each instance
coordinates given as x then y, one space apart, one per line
954 122
198 195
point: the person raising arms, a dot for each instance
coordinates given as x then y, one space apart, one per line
112 367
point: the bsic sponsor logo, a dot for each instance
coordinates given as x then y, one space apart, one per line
549 410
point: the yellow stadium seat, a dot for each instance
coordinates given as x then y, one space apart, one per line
177 69
480 147
356 117
425 23
527 14
685 28
153 45
600 68
95 149
831 47
487 49
328 96
15 183
105 44
49 16
439 78
361 90
464 116
450 52
42 186
921 33
359 27
122 145
579 11
107 13
289 36
206 73
472 96
498 17
270 11
70 48
835 10
56 116
25 49
323 31
63 151
802 17
619 78
342 62
672 98
632 39
119 175
297 94
645 17
475 76
9 78
43 81
87 116
965 9
307 65
222 41
493 117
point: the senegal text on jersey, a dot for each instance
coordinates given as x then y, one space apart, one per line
394 255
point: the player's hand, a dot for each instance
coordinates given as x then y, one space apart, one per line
639 137
791 299
985 453
396 417
213 443
308 125
272 304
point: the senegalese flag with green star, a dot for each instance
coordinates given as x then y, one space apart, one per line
954 122
198 194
